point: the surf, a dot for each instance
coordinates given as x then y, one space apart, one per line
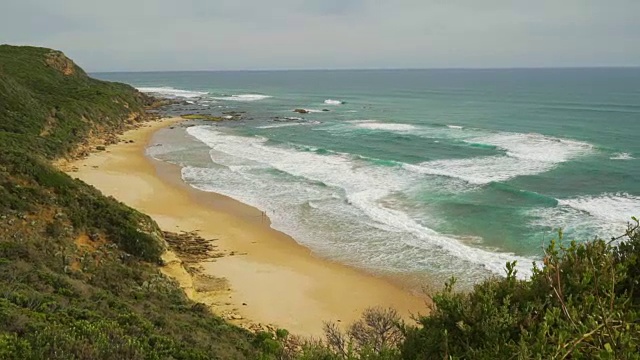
363 184
169 92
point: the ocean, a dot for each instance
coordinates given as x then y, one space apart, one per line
435 172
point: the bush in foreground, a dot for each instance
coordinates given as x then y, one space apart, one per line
582 303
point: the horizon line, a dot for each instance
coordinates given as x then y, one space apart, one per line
383 69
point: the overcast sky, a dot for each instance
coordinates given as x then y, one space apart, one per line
319 34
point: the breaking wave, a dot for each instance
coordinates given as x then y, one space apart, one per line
333 102
172 93
243 97
525 154
361 188
621 156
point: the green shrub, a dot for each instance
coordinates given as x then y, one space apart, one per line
57 301
582 303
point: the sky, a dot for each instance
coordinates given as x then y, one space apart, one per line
160 35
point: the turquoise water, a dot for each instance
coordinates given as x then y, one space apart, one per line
442 172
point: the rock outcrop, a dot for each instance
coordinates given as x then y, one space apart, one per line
59 61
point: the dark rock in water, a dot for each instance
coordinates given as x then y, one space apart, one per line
301 111
206 117
326 110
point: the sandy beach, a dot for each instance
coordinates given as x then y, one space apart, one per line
265 276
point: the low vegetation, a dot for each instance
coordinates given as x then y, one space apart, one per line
79 276
582 303
78 270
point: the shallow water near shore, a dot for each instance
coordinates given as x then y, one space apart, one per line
445 172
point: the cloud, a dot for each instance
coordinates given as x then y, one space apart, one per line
252 34
334 7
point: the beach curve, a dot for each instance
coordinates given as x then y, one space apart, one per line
272 279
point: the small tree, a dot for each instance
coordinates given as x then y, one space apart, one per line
377 335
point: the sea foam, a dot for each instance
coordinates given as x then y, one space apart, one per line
363 187
375 125
603 215
333 102
615 208
280 125
621 156
525 154
243 97
535 147
481 170
170 92
429 132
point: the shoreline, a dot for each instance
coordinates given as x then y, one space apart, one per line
265 276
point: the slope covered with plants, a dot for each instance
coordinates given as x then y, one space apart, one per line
583 302
78 270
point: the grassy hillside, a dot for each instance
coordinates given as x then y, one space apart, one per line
78 274
49 105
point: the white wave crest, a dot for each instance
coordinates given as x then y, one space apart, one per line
172 93
621 156
604 215
426 238
481 170
364 187
430 132
280 125
535 147
615 208
375 125
526 154
333 102
243 97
